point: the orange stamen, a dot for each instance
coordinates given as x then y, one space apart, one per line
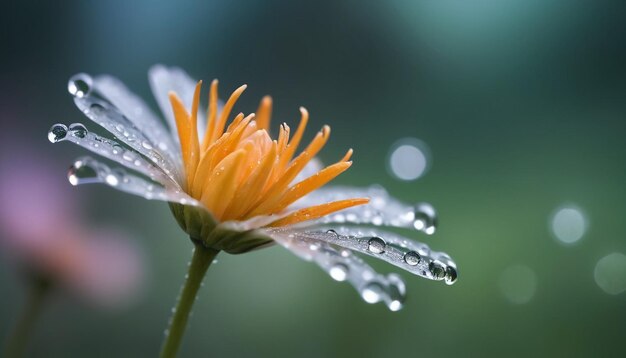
316 212
219 126
264 113
239 173
211 115
310 184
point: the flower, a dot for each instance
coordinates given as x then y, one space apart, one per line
41 232
232 188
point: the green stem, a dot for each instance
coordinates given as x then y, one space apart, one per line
200 262
18 337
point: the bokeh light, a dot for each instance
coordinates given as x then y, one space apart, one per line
518 284
409 159
568 224
610 273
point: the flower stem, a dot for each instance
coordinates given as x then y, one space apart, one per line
18 338
200 262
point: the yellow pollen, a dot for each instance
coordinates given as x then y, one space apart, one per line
240 172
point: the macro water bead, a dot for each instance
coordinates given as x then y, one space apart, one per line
234 188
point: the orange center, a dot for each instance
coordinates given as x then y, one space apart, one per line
240 172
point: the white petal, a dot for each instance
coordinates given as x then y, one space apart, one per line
110 149
344 265
411 256
88 171
382 210
165 79
137 111
110 118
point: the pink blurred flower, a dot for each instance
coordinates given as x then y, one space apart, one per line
41 230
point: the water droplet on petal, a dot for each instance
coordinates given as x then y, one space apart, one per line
372 292
117 149
395 305
129 156
81 174
112 179
78 130
57 133
425 218
339 272
80 85
376 245
437 269
397 292
451 275
412 258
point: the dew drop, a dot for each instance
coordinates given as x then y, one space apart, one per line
128 156
376 245
339 272
112 179
425 218
80 85
437 270
395 305
96 109
146 145
78 130
412 258
117 149
397 292
57 133
372 292
81 174
451 275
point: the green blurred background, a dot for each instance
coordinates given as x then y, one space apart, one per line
522 106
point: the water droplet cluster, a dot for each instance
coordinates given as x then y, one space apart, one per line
127 118
383 210
342 266
332 249
86 170
110 149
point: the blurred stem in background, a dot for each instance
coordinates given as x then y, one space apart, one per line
39 290
200 262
